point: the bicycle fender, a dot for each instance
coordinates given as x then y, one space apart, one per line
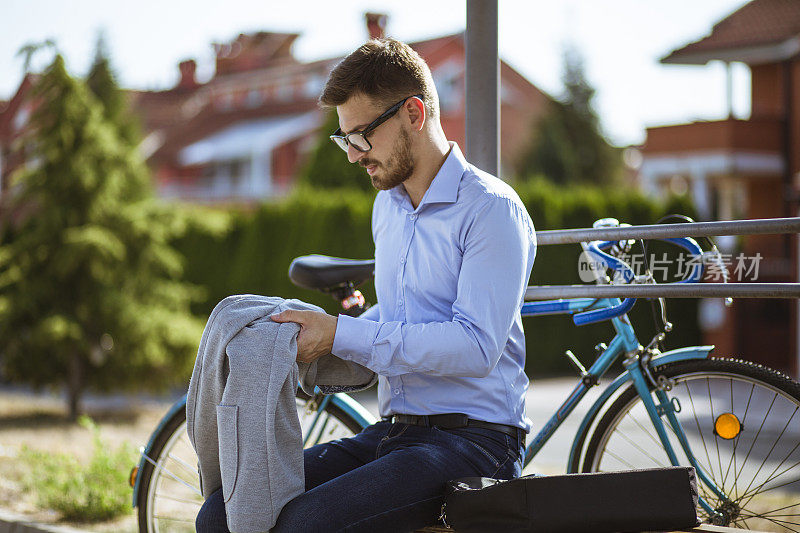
682 354
145 451
350 406
671 356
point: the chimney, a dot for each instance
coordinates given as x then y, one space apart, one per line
376 25
188 69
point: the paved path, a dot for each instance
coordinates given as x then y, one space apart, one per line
14 523
544 397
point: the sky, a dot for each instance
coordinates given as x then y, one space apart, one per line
621 42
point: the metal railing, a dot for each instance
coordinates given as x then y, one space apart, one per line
666 231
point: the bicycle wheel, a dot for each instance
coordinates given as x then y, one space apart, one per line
170 496
743 427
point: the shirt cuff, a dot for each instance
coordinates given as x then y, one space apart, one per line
353 339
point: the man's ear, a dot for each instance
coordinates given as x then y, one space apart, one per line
416 113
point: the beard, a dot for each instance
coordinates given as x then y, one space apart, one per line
397 169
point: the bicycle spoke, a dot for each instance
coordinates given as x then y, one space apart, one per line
775 397
710 498
783 523
179 500
160 468
320 432
769 477
762 515
699 431
184 464
785 427
174 519
732 460
782 484
620 459
645 430
713 418
642 450
736 444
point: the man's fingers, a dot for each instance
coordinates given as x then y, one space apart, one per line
288 316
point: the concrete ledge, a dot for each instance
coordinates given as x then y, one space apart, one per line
14 523
705 528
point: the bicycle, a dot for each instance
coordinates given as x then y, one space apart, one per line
736 422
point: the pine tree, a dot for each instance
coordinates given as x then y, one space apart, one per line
568 144
103 84
89 286
328 166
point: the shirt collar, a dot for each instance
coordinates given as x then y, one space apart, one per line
444 187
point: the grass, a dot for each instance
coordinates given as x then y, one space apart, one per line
82 492
35 425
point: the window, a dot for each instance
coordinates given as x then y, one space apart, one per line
254 98
285 91
21 118
447 78
313 86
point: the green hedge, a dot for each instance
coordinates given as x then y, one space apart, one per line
249 252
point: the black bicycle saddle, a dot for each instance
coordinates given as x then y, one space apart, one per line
324 273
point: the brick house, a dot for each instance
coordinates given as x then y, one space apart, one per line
243 135
736 168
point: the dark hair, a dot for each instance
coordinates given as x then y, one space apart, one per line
384 69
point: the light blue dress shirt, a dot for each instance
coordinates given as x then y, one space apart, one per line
446 335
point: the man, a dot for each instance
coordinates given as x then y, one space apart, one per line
454 248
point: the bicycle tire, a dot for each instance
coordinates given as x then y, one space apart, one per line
169 493
759 468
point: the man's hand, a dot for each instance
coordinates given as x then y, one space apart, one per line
316 332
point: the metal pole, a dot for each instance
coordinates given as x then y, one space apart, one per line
483 86
665 231
682 290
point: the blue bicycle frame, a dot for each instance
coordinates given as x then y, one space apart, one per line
624 343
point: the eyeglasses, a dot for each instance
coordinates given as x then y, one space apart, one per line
358 139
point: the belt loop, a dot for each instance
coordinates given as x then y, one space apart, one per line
426 420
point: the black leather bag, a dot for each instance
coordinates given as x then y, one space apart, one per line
636 500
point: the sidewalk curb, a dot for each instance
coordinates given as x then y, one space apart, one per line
15 523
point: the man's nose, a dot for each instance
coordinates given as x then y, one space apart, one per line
353 155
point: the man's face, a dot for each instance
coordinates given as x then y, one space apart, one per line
389 163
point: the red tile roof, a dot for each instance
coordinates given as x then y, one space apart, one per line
756 24
184 117
159 109
166 110
209 121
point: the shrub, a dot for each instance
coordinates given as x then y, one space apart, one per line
253 254
91 492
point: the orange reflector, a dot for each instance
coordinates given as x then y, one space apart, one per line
727 426
132 478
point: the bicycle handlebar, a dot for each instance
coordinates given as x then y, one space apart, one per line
618 265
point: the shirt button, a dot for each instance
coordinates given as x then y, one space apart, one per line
413 217
402 260
396 392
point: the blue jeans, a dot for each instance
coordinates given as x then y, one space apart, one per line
389 477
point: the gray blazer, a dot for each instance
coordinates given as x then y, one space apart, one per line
240 410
